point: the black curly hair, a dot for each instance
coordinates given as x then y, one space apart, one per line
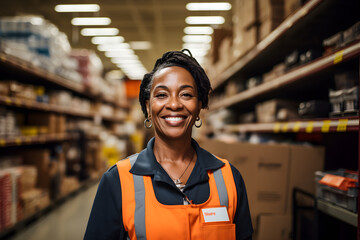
180 59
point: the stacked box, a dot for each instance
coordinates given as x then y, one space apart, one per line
271 172
33 201
276 110
271 14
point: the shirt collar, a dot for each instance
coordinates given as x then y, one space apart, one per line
146 163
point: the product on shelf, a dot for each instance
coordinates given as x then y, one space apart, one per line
253 82
314 109
276 110
234 87
346 80
342 39
339 187
277 71
8 124
270 15
337 102
351 101
36 40
244 27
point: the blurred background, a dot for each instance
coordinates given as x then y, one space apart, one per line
284 107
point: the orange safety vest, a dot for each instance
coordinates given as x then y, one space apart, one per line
146 218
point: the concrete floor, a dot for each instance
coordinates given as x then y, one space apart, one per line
67 221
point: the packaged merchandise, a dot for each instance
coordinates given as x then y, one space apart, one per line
351 101
337 102
33 201
276 110
314 109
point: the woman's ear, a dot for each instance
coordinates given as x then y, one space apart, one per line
147 103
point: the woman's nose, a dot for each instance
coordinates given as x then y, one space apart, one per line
174 103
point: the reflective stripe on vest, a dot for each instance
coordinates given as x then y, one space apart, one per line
139 187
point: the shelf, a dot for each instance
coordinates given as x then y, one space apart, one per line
33 105
288 23
308 126
40 139
338 212
27 68
291 77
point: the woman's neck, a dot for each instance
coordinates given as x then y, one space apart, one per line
173 149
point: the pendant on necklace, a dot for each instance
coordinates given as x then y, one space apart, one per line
179 184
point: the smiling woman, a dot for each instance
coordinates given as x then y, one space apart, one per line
173 184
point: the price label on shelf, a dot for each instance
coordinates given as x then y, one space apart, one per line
342 125
18 141
338 57
277 127
326 126
285 127
309 127
297 126
8 100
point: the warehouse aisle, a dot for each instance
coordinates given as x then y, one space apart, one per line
66 222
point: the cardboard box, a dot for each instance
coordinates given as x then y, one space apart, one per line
273 227
60 124
34 200
267 26
291 6
270 172
218 36
244 13
244 40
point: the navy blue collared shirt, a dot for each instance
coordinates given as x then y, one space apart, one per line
105 221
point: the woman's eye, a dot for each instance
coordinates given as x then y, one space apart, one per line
189 95
160 95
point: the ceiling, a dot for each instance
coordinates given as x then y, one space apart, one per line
161 22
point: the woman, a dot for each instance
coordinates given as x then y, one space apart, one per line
173 189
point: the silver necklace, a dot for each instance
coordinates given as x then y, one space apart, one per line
178 182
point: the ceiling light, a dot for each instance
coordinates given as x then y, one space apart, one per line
191 46
99 31
140 45
198 30
120 53
205 20
104 40
124 57
77 8
90 21
113 47
196 39
208 6
124 60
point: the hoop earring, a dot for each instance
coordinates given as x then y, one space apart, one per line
199 125
147 121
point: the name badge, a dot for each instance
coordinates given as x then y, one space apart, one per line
216 214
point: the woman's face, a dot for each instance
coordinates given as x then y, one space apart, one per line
173 105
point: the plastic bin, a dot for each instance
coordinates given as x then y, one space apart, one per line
338 187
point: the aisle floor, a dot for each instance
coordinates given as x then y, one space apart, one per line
67 221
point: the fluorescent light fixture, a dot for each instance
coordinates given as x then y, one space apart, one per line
196 39
120 53
77 8
191 46
198 30
90 21
107 40
113 47
124 60
205 20
99 31
140 45
208 6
